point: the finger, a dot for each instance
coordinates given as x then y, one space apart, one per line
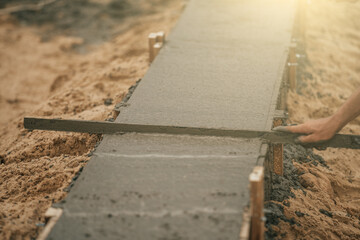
302 128
281 129
308 139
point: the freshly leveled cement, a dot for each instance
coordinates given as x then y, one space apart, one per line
160 187
220 68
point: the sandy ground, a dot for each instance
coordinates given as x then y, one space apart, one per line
42 75
333 73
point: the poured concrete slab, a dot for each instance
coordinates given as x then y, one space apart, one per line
220 67
140 186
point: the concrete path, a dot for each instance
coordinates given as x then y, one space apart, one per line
160 187
221 68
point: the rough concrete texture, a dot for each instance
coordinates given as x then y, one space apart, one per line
160 187
220 67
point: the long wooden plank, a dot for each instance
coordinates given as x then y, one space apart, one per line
338 141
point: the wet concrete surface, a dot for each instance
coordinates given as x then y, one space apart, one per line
160 187
220 68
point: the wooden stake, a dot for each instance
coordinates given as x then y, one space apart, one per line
156 41
257 203
152 41
160 37
292 67
157 48
281 104
52 215
278 151
282 98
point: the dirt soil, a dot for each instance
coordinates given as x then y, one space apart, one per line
72 59
324 200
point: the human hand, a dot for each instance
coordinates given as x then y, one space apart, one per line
315 130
